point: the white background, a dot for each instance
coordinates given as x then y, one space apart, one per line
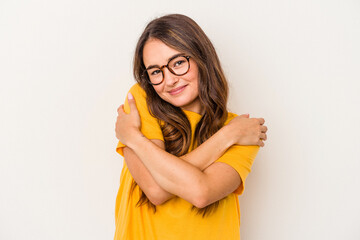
65 67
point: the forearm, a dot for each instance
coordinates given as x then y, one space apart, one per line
201 157
211 150
144 179
173 174
167 170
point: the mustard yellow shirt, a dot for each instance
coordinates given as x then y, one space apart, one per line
174 220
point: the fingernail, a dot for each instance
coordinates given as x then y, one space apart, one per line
130 96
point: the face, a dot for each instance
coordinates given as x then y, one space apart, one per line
181 91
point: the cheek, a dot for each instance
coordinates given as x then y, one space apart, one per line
195 75
195 80
159 91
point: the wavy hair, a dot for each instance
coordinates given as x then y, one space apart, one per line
184 34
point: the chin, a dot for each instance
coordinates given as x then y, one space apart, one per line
177 104
180 103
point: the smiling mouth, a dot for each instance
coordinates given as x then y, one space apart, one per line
177 90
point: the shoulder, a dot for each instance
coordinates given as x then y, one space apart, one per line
140 97
137 91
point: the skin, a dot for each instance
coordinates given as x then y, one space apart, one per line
157 53
194 176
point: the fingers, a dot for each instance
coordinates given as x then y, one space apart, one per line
263 136
261 143
132 103
263 129
244 116
120 109
261 121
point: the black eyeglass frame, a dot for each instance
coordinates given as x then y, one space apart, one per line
167 66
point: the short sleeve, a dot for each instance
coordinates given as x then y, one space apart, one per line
150 126
241 159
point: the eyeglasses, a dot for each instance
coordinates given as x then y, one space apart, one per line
177 65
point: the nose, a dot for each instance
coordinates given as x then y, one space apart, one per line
169 78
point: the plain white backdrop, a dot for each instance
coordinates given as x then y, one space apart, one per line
65 67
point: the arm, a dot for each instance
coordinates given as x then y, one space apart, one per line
201 158
183 179
227 173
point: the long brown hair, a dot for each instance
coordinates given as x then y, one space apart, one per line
184 34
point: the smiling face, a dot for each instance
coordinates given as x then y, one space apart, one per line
181 91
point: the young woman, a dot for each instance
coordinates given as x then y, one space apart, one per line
186 157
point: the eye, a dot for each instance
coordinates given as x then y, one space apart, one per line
155 72
179 63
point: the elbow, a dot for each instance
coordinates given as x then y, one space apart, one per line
157 196
200 203
201 199
156 201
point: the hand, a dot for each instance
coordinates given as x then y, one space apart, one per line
127 125
248 131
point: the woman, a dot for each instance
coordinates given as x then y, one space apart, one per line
186 157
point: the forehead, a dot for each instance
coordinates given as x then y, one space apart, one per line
157 53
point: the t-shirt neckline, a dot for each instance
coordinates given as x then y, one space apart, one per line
192 113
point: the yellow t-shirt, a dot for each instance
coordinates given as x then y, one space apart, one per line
174 220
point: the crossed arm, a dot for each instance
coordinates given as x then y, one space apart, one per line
194 177
201 158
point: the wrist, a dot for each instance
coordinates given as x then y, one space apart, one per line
229 135
134 139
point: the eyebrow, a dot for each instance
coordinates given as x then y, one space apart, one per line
169 59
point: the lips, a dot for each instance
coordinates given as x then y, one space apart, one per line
177 90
